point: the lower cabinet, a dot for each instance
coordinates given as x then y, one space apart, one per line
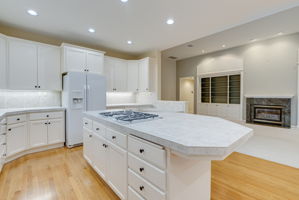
88 145
117 170
16 138
38 132
100 148
56 131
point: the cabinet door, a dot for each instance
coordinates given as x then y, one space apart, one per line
56 133
49 75
16 138
108 71
144 75
2 63
75 60
100 155
95 62
120 76
88 145
22 65
38 133
133 76
117 170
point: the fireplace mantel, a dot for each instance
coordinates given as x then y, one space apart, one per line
287 96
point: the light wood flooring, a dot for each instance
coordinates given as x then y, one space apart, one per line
64 174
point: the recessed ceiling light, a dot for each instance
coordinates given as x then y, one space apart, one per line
280 33
253 40
170 21
223 45
91 30
129 42
124 1
32 12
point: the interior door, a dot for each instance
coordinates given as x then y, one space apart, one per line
22 61
49 74
96 92
100 155
187 92
95 62
38 133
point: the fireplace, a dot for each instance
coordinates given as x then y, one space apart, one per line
269 111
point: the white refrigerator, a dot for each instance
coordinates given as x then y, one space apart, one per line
81 92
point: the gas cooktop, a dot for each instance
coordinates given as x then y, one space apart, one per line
129 116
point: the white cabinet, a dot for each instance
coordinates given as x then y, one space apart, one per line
144 75
33 65
88 145
49 75
100 156
117 170
16 138
22 65
56 131
133 75
82 60
38 133
3 64
116 74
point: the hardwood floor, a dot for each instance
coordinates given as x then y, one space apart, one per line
64 174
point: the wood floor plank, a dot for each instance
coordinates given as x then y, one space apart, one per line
63 174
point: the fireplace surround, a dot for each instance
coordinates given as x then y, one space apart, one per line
269 111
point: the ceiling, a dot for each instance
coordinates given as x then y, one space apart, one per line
279 24
142 21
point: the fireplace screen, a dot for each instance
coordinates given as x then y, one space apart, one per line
271 114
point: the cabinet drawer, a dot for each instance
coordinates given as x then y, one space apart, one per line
46 115
147 171
152 153
16 119
116 138
98 128
87 123
144 188
133 195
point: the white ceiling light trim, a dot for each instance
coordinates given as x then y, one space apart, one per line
124 1
91 30
32 12
170 21
129 42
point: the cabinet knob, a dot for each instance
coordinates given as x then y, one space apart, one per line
39 86
97 129
49 123
18 119
141 169
9 129
141 150
141 188
46 123
35 86
47 116
90 136
85 123
113 137
105 145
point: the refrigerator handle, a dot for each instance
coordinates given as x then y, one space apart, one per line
85 97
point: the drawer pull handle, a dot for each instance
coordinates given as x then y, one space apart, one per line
47 116
9 129
141 169
90 135
141 188
4 143
105 145
113 137
85 123
49 123
46 123
18 119
141 150
97 129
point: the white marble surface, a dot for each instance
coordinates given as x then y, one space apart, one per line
17 111
186 134
287 96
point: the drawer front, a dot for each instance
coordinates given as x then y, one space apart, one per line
46 115
87 123
2 129
116 138
144 188
16 119
151 173
98 128
152 153
133 195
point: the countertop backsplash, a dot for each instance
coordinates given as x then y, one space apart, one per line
26 99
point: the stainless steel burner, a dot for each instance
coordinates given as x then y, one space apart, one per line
129 116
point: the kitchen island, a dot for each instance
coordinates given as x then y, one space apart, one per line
168 157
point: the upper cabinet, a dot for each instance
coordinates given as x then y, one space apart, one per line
129 75
81 59
3 63
32 65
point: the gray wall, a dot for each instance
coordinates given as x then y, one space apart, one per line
270 67
168 79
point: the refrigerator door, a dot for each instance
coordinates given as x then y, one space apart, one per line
96 92
74 97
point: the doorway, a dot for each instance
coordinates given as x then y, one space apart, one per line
187 92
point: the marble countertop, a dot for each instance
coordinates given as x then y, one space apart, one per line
16 111
186 134
128 105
